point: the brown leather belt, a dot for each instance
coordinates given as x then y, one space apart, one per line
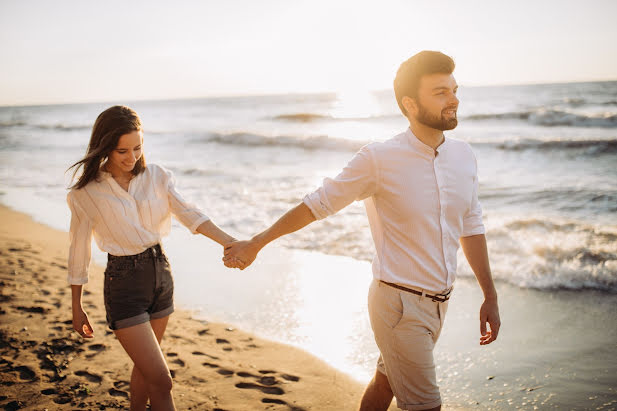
435 297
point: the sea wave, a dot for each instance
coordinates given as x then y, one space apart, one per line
313 117
549 255
302 117
63 127
258 140
591 147
587 199
59 126
552 118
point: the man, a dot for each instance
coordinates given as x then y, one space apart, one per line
421 196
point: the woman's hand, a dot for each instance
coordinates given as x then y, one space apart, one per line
81 324
240 254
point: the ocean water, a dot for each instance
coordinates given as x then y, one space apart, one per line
547 157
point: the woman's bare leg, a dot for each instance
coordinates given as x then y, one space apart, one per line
139 388
141 344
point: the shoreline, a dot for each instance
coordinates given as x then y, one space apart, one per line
214 365
554 350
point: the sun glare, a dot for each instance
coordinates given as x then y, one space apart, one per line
355 104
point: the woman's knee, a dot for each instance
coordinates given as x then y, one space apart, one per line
161 383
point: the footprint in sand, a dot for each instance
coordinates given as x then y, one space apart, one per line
262 388
90 377
204 331
179 362
62 266
289 377
224 341
63 399
273 401
25 373
118 393
97 347
49 391
277 401
35 310
225 372
266 380
207 355
210 365
247 375
121 385
262 379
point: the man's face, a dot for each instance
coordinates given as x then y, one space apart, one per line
437 104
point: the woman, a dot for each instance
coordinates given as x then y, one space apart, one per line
127 206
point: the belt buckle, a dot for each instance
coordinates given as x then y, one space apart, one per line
443 296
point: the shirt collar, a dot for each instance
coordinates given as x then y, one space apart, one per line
418 145
104 174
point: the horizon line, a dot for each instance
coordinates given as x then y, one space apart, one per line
281 94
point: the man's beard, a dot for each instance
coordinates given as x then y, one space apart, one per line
433 121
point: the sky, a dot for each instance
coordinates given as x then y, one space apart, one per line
87 51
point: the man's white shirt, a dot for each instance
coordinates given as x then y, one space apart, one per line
419 203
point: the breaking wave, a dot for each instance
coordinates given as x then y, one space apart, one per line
552 118
257 140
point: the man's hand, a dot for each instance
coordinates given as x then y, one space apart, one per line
240 254
489 313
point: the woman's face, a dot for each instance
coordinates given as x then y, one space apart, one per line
124 157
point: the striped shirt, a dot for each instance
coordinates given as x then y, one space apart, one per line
124 223
418 204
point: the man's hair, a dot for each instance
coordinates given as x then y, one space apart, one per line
408 76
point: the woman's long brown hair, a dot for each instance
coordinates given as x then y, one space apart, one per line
109 126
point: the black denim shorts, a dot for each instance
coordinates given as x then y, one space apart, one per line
138 288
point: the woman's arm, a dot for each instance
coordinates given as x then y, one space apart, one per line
81 324
210 230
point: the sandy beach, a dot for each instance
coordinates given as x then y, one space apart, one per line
45 365
556 350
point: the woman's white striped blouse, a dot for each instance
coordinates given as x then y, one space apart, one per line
124 223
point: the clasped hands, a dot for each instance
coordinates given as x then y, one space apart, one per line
240 254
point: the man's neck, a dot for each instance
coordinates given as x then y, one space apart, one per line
429 136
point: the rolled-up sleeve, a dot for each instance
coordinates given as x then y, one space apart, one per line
472 221
357 181
188 214
80 235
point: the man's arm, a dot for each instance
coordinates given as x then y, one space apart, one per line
241 254
476 253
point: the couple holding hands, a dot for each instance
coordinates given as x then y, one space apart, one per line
421 195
